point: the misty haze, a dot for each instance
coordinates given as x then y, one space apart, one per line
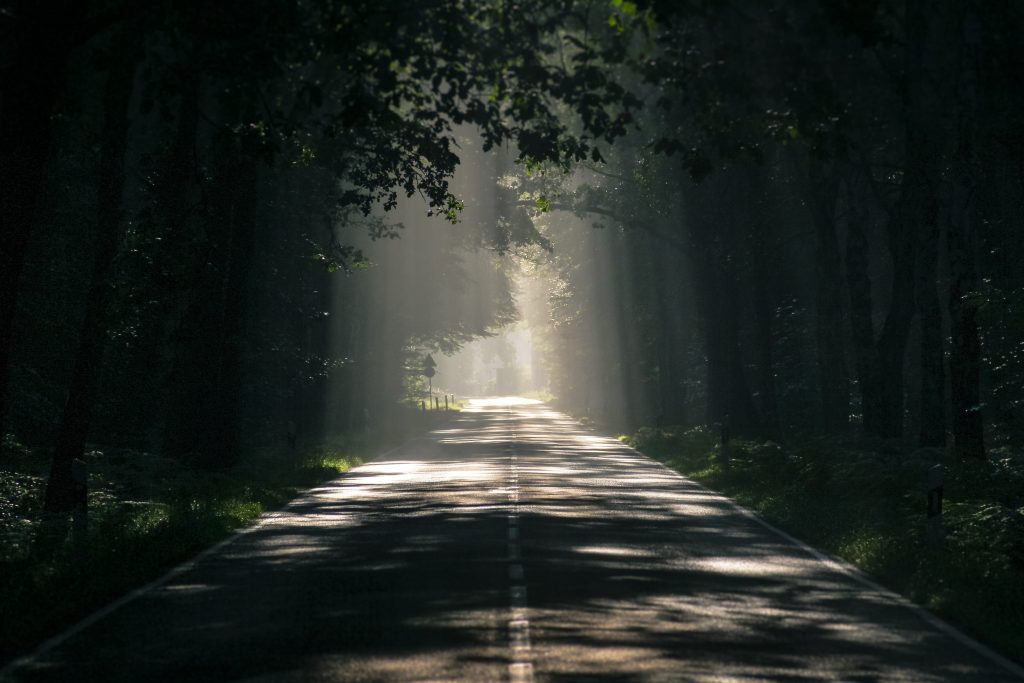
480 340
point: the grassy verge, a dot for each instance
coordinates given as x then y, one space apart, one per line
868 507
146 514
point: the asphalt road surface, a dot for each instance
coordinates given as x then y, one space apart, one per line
513 545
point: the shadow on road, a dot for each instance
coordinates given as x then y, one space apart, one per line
398 572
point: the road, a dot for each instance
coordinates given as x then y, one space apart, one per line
513 545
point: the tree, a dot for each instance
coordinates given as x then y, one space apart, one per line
44 36
61 494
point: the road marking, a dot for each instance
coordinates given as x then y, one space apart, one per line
519 636
841 566
520 668
520 672
103 612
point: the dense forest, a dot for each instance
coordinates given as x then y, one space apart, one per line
834 252
233 227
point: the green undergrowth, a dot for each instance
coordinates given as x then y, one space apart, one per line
868 506
426 408
542 395
146 513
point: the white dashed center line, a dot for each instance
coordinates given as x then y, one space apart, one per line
520 668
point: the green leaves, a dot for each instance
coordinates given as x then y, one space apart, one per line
625 13
453 207
334 257
627 8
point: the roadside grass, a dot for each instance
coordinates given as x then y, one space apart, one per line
868 506
542 395
419 403
147 513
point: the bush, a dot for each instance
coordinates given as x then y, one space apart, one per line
867 505
153 510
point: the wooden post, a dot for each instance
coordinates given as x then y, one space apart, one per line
437 403
423 406
446 403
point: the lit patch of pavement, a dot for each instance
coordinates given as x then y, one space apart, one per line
513 545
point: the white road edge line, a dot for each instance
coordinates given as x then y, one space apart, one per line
109 609
843 567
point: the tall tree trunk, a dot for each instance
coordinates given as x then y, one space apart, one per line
913 214
711 233
61 493
858 283
318 344
181 206
719 375
203 419
927 43
965 354
226 407
34 78
912 244
892 343
932 419
833 378
768 402
671 389
627 403
728 396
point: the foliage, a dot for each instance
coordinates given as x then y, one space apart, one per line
1001 315
152 509
868 507
273 153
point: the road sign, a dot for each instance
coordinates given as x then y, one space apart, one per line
429 372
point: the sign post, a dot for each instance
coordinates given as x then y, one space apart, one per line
429 372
